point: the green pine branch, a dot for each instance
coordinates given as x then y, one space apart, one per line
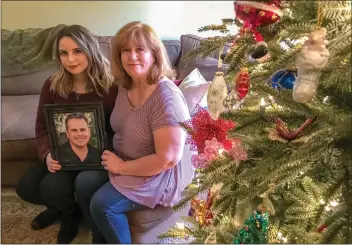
309 172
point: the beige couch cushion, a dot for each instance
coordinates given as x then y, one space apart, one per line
18 116
161 219
145 219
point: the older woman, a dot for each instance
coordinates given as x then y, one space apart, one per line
146 168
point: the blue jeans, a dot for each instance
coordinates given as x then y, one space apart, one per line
108 208
86 184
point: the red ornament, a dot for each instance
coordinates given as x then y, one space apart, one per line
322 228
242 83
205 128
256 14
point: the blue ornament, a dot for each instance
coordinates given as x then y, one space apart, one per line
284 78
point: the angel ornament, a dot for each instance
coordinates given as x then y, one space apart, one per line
310 61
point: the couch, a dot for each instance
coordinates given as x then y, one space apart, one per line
20 95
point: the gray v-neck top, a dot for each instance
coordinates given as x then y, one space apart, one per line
133 139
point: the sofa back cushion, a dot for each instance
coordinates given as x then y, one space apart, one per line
27 84
32 83
173 49
207 66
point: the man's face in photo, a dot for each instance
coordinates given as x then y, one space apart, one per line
78 132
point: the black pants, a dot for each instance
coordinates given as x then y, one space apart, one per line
56 190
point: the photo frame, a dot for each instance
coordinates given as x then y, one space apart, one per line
77 134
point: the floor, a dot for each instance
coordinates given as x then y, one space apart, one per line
16 216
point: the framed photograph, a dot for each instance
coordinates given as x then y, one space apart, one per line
77 134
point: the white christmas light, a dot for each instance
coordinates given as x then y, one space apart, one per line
334 203
284 45
284 239
279 234
327 208
322 201
180 225
262 102
262 105
220 151
326 99
198 180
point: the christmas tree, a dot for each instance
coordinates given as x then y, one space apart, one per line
283 171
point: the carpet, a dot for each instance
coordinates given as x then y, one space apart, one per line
16 217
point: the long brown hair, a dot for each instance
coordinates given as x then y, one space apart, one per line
143 35
98 71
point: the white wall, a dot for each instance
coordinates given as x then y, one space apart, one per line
169 18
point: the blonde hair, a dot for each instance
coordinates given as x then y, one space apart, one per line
98 71
142 35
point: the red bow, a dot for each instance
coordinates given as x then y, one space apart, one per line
206 128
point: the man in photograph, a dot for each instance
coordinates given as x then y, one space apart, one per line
77 149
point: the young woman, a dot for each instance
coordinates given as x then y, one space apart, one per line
145 168
84 75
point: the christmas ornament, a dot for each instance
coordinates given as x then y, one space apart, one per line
242 83
216 95
233 101
283 134
254 230
267 205
322 228
310 61
201 210
201 160
257 14
238 152
284 78
202 127
235 98
211 151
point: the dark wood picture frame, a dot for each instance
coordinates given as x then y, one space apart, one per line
56 114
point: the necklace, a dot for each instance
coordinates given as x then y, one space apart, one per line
75 89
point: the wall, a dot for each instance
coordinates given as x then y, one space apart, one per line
169 18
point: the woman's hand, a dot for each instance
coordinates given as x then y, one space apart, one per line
52 165
111 162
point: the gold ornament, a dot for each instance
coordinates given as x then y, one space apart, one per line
261 13
267 205
202 213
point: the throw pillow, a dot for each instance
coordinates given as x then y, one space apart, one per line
177 82
194 88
